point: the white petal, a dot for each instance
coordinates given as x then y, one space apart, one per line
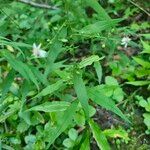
34 46
39 46
42 53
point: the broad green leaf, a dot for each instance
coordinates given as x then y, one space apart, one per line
81 92
139 83
7 84
50 89
142 62
99 26
21 67
88 61
99 9
51 106
98 69
98 97
66 120
99 136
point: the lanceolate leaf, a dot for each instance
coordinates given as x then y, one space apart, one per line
99 9
139 83
21 67
142 62
81 92
50 89
65 122
98 97
99 26
98 69
89 60
51 106
7 83
99 136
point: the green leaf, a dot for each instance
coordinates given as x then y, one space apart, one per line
51 106
50 89
111 81
80 118
21 67
99 136
115 133
7 84
98 69
38 75
30 139
64 123
68 143
147 35
142 62
118 94
139 83
88 61
98 97
99 26
86 143
99 9
147 119
7 115
146 47
81 92
73 134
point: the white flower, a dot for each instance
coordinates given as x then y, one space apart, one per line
125 41
38 52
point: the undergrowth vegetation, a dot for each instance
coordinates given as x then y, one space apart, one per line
74 75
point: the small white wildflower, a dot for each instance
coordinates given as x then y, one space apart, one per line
38 52
125 41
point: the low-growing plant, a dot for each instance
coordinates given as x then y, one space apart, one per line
59 65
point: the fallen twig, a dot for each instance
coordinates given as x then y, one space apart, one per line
38 4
